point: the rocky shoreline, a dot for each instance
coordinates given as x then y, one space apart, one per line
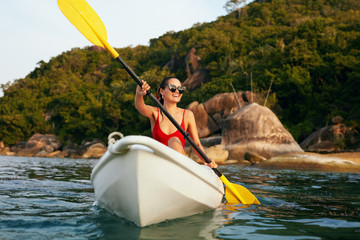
301 161
232 131
48 145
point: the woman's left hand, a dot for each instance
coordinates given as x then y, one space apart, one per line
212 164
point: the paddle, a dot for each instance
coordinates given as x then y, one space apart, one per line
85 19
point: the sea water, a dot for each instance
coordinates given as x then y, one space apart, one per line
43 198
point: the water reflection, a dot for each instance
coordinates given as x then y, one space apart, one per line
200 226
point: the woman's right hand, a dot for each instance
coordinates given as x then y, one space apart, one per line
143 89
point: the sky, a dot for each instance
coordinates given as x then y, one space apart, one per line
36 30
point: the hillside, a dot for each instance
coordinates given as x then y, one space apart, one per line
307 52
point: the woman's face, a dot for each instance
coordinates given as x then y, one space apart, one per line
169 95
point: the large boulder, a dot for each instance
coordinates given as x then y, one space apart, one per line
224 103
331 138
210 115
39 143
256 128
205 124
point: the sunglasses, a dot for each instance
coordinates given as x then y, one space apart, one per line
173 88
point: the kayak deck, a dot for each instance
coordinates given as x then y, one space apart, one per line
146 182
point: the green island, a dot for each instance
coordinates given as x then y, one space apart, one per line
301 59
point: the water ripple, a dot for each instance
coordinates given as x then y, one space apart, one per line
44 198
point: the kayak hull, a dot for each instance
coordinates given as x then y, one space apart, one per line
146 182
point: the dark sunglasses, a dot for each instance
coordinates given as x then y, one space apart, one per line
173 88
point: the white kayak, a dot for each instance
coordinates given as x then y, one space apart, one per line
146 182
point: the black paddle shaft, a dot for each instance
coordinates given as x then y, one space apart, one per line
167 114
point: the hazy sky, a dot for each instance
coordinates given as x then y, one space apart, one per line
35 30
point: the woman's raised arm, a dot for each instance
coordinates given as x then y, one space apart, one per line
145 110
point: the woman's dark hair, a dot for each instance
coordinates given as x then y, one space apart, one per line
162 85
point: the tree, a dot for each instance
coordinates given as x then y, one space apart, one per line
308 50
234 5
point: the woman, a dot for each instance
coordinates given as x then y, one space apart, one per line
169 94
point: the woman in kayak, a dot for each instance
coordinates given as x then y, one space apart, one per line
169 94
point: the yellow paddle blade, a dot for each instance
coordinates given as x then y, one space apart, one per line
235 194
86 20
74 10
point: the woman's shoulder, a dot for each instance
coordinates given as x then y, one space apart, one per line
188 114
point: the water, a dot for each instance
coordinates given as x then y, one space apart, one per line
44 198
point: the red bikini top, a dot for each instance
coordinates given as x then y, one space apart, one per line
162 137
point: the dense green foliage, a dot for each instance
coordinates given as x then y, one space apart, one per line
308 51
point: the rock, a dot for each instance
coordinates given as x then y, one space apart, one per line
52 154
48 148
330 138
211 141
208 142
97 48
310 162
237 151
40 140
228 162
205 124
218 153
72 149
94 152
192 62
57 154
47 145
324 146
256 128
253 157
218 119
92 149
10 153
42 153
38 143
2 149
197 79
249 96
17 147
244 162
351 156
223 102
195 76
228 103
6 151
